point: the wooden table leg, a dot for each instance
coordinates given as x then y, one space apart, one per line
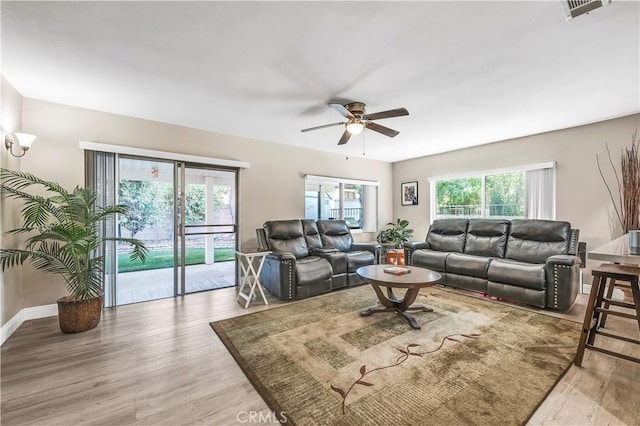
612 284
635 291
588 318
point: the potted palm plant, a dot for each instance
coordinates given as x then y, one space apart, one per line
396 234
63 238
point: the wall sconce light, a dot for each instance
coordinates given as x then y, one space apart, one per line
24 140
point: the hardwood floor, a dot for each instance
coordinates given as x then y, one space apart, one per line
159 363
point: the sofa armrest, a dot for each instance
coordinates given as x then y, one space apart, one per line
416 245
374 248
410 247
336 258
563 281
280 256
278 275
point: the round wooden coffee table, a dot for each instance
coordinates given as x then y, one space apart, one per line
417 279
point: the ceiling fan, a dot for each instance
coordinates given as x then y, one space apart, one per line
357 120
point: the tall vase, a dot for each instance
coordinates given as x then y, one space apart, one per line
634 242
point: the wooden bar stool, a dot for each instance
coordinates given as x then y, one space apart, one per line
599 306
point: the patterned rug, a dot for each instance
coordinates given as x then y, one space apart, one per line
318 362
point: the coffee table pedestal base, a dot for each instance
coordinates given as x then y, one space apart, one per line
390 303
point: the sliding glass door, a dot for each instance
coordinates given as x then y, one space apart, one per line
186 215
147 188
206 232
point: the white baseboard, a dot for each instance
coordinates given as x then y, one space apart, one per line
42 311
26 314
11 326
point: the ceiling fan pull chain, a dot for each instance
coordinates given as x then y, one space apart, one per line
363 145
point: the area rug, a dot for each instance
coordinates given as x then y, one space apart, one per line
474 361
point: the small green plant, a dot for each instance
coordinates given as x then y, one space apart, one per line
396 233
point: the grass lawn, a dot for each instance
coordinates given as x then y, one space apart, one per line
158 259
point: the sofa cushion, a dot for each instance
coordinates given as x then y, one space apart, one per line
356 259
335 234
465 264
486 237
447 235
510 292
312 269
430 259
311 234
520 274
287 236
534 240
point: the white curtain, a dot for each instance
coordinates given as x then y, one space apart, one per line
541 194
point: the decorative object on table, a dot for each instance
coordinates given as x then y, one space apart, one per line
409 193
64 239
397 270
396 234
634 242
322 343
626 203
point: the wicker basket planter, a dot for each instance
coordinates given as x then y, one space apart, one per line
79 315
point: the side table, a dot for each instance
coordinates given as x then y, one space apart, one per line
250 276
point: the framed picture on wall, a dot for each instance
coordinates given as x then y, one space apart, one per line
409 191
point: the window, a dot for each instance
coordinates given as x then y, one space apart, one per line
519 192
354 201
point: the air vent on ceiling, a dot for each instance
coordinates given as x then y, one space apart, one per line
574 8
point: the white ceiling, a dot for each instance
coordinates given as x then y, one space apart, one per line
468 72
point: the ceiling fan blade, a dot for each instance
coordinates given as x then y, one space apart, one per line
382 129
345 138
342 110
323 126
398 112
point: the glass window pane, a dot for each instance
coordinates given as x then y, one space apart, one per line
357 204
459 198
322 201
353 205
505 195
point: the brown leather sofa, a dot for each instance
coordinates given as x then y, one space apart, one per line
526 260
309 258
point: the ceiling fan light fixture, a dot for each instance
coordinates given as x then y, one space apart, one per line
355 127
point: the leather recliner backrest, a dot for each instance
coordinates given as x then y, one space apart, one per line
534 240
287 236
487 237
311 234
335 234
448 234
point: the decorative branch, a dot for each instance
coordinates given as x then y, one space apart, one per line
627 205
613 201
406 353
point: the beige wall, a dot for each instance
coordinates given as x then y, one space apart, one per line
272 188
582 198
11 296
